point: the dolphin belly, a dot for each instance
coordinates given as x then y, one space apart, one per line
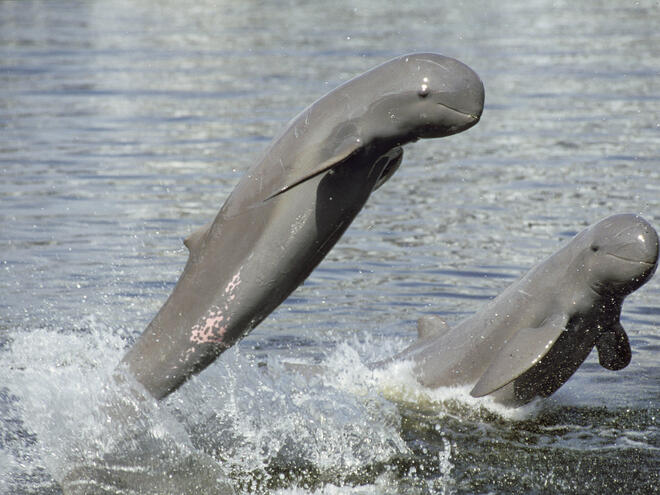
292 206
244 267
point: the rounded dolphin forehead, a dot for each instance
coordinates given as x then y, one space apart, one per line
625 228
447 81
618 249
441 73
616 232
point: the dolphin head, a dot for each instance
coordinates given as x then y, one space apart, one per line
425 95
620 253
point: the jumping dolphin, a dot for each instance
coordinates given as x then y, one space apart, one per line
529 340
294 204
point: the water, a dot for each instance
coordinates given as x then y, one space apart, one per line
123 126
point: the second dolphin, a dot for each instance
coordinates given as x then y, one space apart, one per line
529 340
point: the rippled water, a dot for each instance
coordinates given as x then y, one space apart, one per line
124 125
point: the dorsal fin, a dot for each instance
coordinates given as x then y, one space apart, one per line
431 326
194 240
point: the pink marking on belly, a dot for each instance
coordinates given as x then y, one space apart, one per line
212 327
211 330
233 283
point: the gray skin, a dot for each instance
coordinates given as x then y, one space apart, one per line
528 341
294 204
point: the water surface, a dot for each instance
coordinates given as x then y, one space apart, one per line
124 126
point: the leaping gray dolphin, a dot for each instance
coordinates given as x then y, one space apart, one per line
294 204
529 340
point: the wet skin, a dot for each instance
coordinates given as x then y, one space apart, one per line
294 204
528 341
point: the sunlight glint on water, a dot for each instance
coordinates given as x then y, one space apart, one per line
124 126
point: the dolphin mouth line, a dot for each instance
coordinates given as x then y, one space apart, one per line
475 117
630 260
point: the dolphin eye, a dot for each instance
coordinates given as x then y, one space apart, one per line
595 248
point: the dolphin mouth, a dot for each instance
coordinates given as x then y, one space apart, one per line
631 260
639 279
473 115
458 121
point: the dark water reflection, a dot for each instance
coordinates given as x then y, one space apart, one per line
124 125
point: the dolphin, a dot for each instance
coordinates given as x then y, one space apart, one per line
293 205
529 340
